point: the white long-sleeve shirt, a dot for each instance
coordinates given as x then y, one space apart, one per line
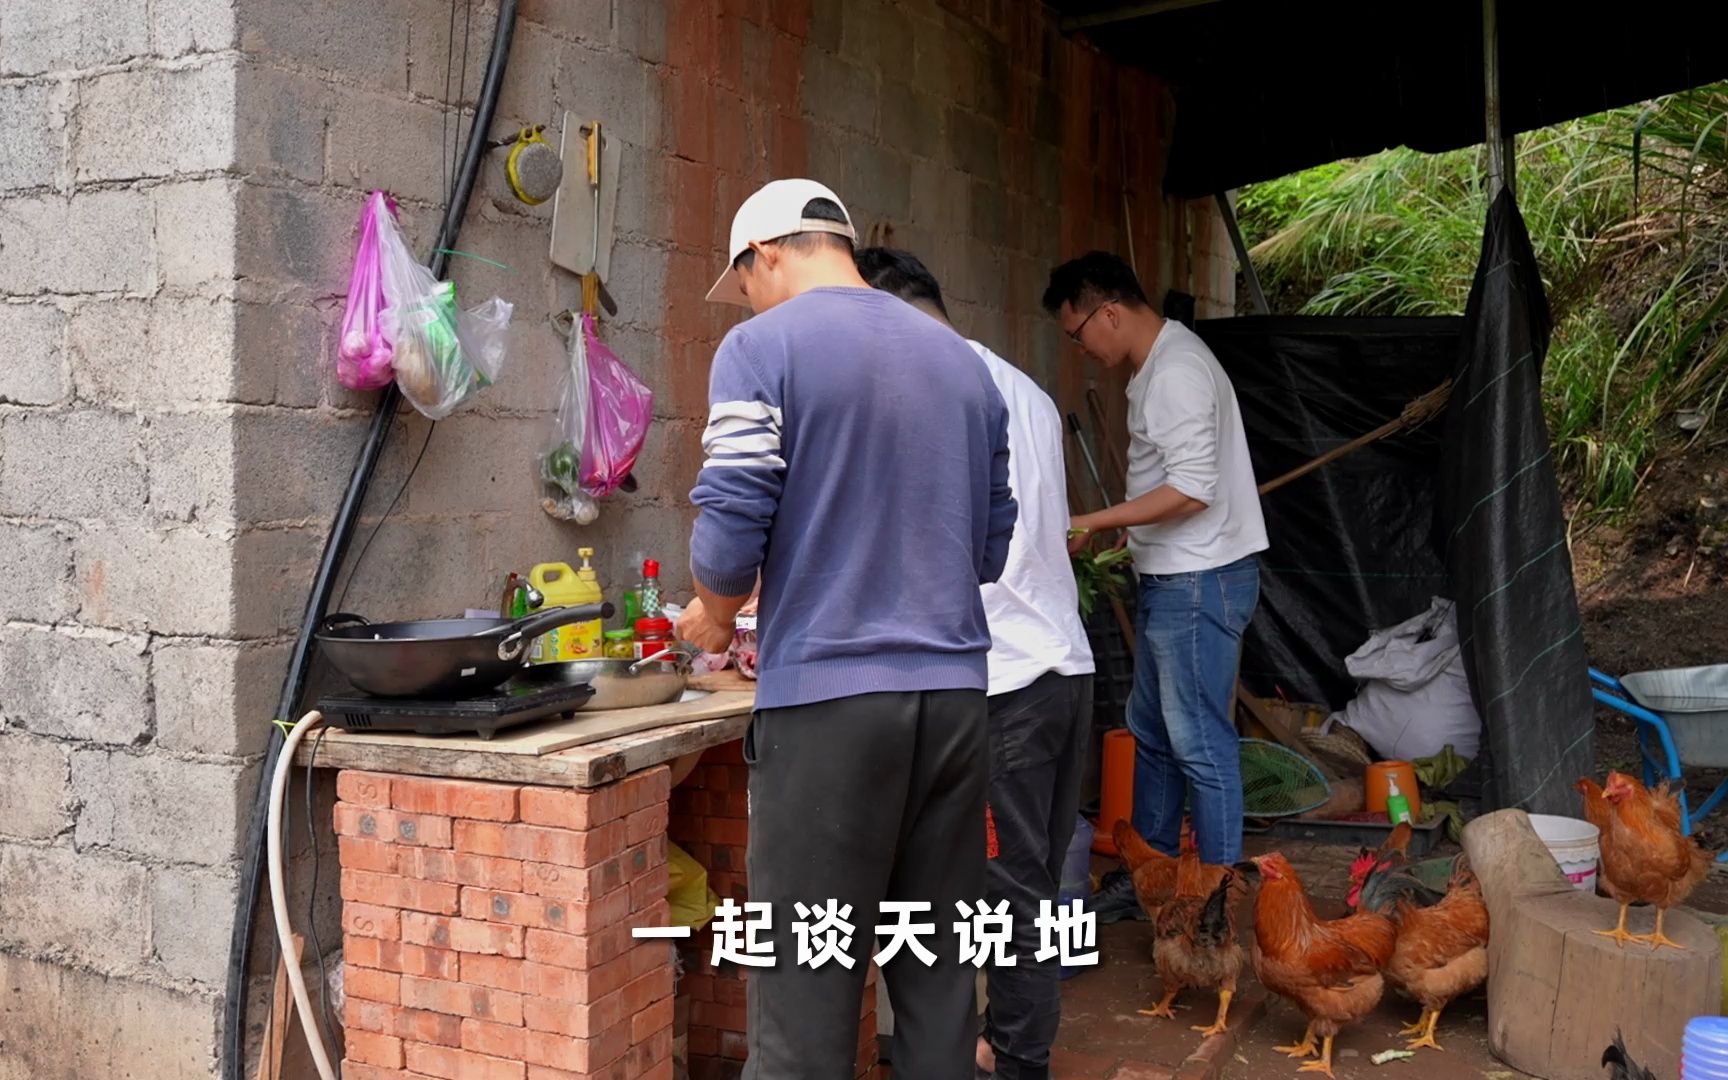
1034 608
1185 430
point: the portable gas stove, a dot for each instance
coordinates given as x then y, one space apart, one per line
485 715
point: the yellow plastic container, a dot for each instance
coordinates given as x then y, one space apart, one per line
563 587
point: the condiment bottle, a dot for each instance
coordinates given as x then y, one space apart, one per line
650 589
652 636
1397 805
620 644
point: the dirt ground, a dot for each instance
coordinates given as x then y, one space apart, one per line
1103 1036
1653 591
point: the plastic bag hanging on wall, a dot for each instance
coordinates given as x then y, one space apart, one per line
620 407
363 354
442 355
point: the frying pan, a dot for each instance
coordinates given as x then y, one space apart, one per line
439 658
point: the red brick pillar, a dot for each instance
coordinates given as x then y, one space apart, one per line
710 821
486 929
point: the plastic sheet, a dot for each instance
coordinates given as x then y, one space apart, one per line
1503 531
1351 543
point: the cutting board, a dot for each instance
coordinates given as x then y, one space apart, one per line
573 204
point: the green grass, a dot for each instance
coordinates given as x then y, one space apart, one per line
1626 212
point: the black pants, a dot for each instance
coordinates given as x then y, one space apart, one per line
1038 740
865 799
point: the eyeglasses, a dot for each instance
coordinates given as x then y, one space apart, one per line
1074 334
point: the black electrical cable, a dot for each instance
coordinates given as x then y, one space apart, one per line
323 584
312 893
360 559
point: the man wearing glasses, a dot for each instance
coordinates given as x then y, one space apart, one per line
1193 523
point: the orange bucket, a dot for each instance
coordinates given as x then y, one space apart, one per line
1116 799
1375 786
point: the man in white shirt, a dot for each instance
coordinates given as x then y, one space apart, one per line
1194 525
1040 695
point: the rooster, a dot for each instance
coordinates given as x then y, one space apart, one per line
1441 950
1153 872
1385 867
1195 940
1620 1064
1644 855
1331 969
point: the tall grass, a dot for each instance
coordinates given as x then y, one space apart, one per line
1628 216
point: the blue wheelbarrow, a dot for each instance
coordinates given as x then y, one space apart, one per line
1682 716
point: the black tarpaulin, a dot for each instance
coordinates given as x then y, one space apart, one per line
1503 535
1351 543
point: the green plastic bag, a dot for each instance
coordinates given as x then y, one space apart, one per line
687 891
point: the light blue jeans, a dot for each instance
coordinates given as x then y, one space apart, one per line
1190 630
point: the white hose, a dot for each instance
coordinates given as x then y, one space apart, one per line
279 894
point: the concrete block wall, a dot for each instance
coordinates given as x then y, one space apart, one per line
122 764
179 186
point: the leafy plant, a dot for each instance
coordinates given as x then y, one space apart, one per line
1627 214
1100 573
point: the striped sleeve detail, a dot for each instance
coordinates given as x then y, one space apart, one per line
743 435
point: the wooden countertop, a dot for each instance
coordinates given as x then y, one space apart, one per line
586 750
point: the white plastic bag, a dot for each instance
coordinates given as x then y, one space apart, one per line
1415 697
561 458
442 355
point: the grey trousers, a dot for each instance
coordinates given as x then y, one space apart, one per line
865 799
1038 741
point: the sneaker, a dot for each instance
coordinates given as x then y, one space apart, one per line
1115 899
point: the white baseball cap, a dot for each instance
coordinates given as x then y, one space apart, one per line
776 210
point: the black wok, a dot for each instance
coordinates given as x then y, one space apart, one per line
439 658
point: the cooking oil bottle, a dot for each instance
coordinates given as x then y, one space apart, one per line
564 587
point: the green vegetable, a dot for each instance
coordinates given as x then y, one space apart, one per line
561 466
1100 573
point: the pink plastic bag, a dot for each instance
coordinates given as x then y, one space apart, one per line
363 357
620 407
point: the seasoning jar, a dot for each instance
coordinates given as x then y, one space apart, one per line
620 645
652 636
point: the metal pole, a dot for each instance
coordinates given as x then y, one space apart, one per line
1502 160
1255 292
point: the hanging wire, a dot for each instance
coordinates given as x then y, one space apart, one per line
329 1018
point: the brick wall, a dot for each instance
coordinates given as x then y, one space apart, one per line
486 929
179 184
710 821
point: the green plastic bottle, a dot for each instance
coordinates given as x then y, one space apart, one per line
1397 805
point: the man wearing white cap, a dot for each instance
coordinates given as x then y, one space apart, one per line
857 458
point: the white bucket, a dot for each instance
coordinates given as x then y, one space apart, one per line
1574 845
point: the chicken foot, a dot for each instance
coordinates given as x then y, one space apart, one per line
1324 1065
1418 1027
1619 933
1218 1026
1427 1038
1303 1049
1657 939
1163 1008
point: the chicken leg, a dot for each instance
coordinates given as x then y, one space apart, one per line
1658 939
1324 1065
1418 1027
1218 1026
1619 933
1163 1008
1427 1038
1302 1049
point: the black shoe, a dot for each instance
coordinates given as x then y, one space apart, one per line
1115 899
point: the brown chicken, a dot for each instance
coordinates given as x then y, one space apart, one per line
1441 951
1644 856
1153 872
1329 968
1195 941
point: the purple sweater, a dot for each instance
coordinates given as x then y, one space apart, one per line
857 455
